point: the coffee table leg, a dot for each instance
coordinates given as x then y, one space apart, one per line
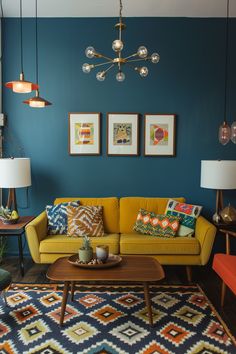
72 290
148 303
64 301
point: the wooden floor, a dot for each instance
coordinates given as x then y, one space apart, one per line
175 275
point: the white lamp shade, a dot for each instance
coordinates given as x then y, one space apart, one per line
15 173
218 174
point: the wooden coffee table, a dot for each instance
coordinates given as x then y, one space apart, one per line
133 269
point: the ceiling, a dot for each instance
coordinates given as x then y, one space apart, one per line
110 8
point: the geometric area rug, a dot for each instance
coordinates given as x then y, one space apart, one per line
111 320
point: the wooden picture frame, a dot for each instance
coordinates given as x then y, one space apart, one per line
159 134
122 134
84 133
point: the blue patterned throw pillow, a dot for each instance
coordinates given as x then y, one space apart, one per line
57 217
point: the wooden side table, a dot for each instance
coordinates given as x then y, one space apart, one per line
17 230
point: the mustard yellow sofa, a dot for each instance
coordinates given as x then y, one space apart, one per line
119 216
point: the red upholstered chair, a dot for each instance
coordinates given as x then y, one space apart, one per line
225 266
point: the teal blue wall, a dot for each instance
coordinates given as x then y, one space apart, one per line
188 81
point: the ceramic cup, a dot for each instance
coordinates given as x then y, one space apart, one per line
102 252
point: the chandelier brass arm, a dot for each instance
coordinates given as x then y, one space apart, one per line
118 61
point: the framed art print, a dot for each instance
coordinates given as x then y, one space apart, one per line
84 133
122 134
159 135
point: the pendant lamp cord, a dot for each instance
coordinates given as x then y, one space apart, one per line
36 39
226 61
121 7
21 35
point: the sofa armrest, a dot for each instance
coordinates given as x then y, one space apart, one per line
205 233
36 231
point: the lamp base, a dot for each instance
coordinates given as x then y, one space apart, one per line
11 200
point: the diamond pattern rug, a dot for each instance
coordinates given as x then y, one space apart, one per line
111 320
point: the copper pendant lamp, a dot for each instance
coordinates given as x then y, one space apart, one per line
36 101
21 85
224 129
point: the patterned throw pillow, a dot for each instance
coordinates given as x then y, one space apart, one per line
156 225
85 220
188 215
57 217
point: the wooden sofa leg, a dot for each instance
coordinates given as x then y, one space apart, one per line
223 288
189 273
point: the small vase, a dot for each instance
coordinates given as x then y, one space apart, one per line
85 255
102 252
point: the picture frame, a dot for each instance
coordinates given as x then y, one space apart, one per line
122 134
84 133
159 134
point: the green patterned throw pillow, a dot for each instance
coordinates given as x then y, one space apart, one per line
153 224
188 214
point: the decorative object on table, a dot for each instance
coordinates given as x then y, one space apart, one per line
219 175
21 85
86 251
57 217
85 220
224 134
159 135
84 133
102 252
228 214
36 101
122 134
150 223
7 216
187 213
117 45
112 261
15 173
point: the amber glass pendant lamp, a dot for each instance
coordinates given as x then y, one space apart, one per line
21 85
36 101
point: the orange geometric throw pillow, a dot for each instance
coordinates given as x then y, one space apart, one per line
153 224
85 220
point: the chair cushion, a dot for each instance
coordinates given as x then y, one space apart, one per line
145 244
5 279
225 266
68 245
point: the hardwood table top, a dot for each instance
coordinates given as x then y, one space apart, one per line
19 226
131 269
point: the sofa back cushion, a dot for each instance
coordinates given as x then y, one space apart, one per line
110 210
129 208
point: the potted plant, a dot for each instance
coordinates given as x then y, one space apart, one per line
86 251
7 216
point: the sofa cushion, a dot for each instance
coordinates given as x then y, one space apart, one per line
129 207
68 245
110 210
153 224
85 220
144 244
57 217
188 214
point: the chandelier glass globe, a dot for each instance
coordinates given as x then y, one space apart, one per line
142 52
86 68
117 45
90 52
233 132
143 71
100 76
224 133
155 58
120 76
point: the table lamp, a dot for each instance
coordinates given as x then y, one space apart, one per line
14 173
219 175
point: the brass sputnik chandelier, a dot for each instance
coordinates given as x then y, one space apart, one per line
119 61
